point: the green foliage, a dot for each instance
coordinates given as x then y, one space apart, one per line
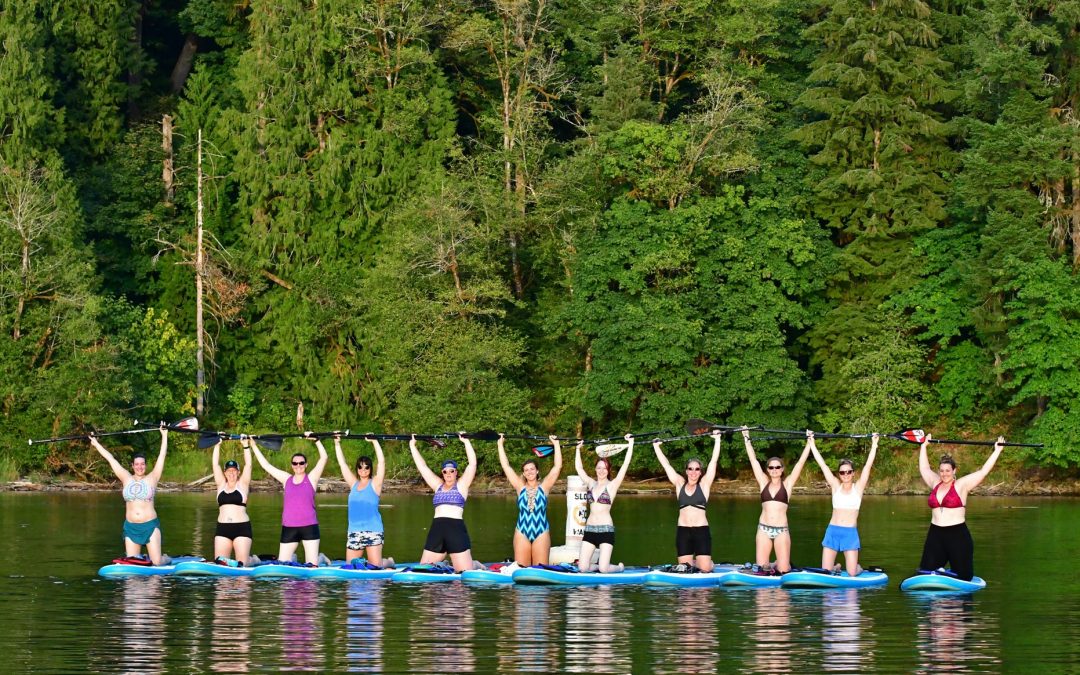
160 361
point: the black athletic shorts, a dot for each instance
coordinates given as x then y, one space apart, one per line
234 530
693 541
293 535
448 535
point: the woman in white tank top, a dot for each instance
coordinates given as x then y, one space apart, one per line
847 493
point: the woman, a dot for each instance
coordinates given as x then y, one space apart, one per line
843 533
772 531
299 524
693 540
141 524
448 534
600 493
365 537
532 534
232 539
949 540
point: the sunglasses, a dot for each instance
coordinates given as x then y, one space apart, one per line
449 470
845 472
299 463
693 468
775 467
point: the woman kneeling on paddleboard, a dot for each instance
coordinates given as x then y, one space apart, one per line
365 536
233 536
141 524
693 540
772 530
448 534
948 539
599 527
843 533
299 523
532 533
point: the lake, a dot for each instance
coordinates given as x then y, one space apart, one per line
61 617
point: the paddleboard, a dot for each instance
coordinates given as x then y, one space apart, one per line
823 579
743 578
503 575
278 571
205 568
544 577
663 577
116 570
936 581
420 576
340 572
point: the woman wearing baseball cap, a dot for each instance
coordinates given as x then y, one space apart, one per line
232 539
448 535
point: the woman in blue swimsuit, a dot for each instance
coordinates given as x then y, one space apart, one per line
532 534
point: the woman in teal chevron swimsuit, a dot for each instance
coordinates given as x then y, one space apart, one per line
532 534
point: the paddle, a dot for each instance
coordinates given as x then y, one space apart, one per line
189 424
700 427
917 436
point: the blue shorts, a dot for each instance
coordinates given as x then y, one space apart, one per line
841 538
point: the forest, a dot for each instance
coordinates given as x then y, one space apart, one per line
574 216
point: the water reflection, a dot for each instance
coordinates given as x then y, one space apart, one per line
535 621
442 629
230 634
951 636
364 625
140 620
598 623
770 639
684 630
302 642
842 624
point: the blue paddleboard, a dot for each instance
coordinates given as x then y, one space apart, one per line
205 568
278 571
415 576
116 570
340 572
937 581
501 576
543 577
694 579
824 579
744 578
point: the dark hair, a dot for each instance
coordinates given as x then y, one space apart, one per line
298 454
947 459
534 463
769 461
844 461
139 455
364 460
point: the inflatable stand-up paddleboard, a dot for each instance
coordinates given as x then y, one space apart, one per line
279 570
132 569
941 580
207 568
540 576
426 574
496 573
341 570
746 577
665 577
818 578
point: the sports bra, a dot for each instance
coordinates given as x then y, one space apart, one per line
451 497
696 500
138 490
951 501
846 500
235 497
780 496
604 497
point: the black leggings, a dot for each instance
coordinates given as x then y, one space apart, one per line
953 545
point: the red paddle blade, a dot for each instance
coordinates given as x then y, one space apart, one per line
913 435
191 423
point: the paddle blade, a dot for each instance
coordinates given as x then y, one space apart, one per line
696 427
188 424
272 443
437 442
916 436
485 435
208 441
543 450
610 449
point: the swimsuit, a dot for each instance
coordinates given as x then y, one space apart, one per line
140 533
233 530
773 531
451 497
696 500
448 535
599 534
532 513
235 497
138 490
604 497
780 496
847 500
951 501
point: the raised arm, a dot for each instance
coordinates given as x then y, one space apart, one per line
380 468
278 475
755 465
117 469
159 465
508 471
672 475
553 475
929 476
579 467
864 477
346 472
794 477
467 476
972 480
829 477
315 474
625 465
710 471
429 477
215 459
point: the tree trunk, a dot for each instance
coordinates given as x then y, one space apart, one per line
184 62
200 372
168 173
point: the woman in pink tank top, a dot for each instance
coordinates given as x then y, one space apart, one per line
299 524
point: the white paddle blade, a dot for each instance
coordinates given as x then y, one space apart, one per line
611 449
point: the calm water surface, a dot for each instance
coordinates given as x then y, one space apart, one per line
61 617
